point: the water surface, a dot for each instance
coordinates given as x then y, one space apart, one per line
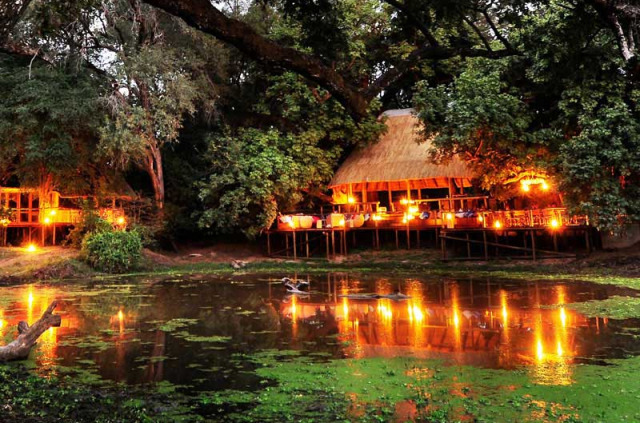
194 331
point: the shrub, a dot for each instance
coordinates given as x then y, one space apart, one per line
91 222
112 251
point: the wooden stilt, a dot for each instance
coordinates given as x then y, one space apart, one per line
344 231
533 244
333 241
295 246
587 240
443 244
326 240
397 240
268 244
408 236
306 241
286 243
468 246
486 247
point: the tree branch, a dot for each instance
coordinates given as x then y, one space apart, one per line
412 17
202 15
28 335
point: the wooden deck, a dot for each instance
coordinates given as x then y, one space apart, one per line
534 234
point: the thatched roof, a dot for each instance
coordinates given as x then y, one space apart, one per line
398 156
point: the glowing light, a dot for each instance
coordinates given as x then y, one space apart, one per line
32 248
376 217
456 319
410 217
480 219
417 314
544 186
559 349
539 350
554 223
497 225
449 216
404 201
121 221
351 200
413 209
563 317
52 213
525 187
47 220
120 315
345 308
341 223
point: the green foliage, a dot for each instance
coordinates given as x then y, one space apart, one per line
48 118
112 251
91 222
256 173
564 107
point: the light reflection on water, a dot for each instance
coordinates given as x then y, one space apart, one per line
123 332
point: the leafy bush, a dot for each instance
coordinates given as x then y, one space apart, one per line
91 222
112 251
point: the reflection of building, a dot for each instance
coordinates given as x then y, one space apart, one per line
472 323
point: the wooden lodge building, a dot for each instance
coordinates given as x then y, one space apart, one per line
29 217
391 192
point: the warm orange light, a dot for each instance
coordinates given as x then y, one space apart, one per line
32 248
341 223
544 186
539 350
121 221
559 349
351 200
413 209
497 225
417 314
480 219
376 217
563 317
404 201
410 217
554 223
120 315
449 216
52 213
456 319
47 220
525 187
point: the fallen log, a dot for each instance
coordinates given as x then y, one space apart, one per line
20 348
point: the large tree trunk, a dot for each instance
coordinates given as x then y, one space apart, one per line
28 335
156 174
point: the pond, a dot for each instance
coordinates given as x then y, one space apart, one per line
201 334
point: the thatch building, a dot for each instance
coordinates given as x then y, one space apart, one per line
398 167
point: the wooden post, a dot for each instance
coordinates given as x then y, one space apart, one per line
377 237
397 241
451 191
333 241
393 208
486 247
468 246
268 244
533 244
587 240
408 236
326 240
306 241
345 240
443 243
295 247
286 243
524 237
53 226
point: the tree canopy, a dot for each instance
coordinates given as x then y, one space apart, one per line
252 104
